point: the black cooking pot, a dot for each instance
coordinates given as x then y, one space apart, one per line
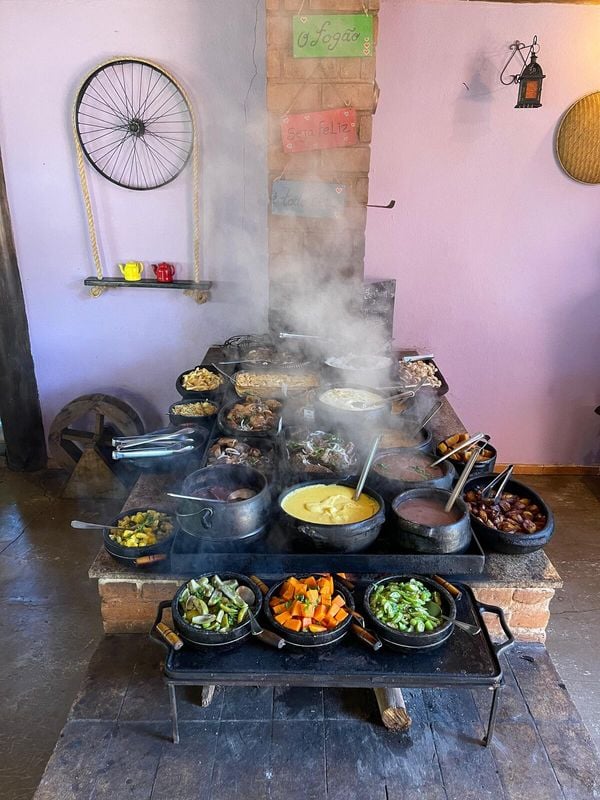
300 473
330 417
201 639
412 642
206 421
422 440
361 370
480 468
454 537
390 487
128 555
266 447
231 430
202 393
304 640
220 520
351 537
514 543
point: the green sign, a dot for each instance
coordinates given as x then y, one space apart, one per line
333 36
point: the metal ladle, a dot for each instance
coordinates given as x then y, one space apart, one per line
430 414
434 609
367 466
237 494
247 595
89 526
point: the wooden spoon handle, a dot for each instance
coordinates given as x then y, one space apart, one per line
261 584
456 593
169 636
268 637
151 559
367 637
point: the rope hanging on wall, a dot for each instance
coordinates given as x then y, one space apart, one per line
134 123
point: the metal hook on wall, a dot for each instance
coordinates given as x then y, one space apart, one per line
391 204
518 47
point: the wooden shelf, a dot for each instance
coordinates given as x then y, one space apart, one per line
147 283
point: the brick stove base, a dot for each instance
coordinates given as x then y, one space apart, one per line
129 606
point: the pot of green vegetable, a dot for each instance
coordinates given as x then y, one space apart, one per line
410 612
208 612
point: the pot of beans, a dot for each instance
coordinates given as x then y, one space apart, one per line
399 469
423 525
518 522
232 503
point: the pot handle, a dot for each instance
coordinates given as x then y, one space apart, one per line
206 516
510 639
366 636
161 632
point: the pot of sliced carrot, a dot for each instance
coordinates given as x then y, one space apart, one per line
311 611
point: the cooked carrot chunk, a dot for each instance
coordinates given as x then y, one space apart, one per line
308 604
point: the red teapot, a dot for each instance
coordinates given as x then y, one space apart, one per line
164 272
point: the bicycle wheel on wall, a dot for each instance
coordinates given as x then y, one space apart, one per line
134 124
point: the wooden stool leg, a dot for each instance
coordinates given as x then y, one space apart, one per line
174 719
207 695
393 709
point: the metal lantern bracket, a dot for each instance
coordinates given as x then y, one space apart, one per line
518 47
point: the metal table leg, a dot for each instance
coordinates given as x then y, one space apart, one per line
173 704
492 720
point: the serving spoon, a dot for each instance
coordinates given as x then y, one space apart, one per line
434 609
89 526
247 595
367 466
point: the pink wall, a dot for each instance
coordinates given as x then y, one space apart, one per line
496 250
129 342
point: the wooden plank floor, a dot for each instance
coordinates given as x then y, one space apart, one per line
316 744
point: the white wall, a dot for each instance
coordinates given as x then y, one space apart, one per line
132 342
496 252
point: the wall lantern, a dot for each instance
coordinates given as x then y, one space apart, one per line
531 76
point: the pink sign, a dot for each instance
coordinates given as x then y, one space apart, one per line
319 130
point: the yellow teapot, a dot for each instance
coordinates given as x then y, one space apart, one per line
132 270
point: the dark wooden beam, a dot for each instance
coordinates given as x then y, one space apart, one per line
19 400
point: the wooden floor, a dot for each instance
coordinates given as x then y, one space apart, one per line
312 744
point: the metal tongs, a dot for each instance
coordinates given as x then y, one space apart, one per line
408 359
150 438
465 475
473 440
224 374
154 445
498 483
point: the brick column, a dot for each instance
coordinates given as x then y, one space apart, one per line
302 249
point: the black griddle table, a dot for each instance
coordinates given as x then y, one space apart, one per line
463 660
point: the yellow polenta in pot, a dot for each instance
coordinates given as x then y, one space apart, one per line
329 504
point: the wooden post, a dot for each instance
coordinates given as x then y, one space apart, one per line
392 709
19 401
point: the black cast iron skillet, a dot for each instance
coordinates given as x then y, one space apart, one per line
129 555
410 642
304 640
